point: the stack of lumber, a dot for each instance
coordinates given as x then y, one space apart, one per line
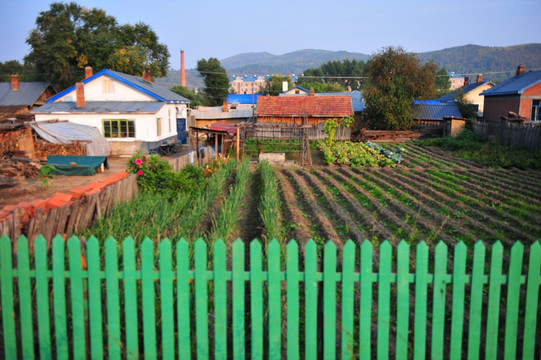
389 136
19 168
43 149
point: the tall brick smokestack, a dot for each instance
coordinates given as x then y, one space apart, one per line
14 82
182 69
479 78
521 69
147 76
80 94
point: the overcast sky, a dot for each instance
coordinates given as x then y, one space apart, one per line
212 28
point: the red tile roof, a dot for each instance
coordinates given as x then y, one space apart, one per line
311 106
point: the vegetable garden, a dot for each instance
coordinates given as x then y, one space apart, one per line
429 196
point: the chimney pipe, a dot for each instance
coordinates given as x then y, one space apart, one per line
521 69
479 78
466 81
312 92
225 107
88 72
14 82
182 69
80 94
147 76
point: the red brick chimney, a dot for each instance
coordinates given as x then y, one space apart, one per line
225 107
14 82
479 78
312 92
88 72
182 69
521 69
80 94
466 81
147 76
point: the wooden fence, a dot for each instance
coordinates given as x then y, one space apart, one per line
191 158
191 302
524 136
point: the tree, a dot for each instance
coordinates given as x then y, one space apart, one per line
443 83
13 67
320 87
395 78
69 37
188 94
274 85
216 81
346 74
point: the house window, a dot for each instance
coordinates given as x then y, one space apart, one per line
536 110
118 128
159 126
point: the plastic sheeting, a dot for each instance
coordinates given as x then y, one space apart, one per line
67 133
76 165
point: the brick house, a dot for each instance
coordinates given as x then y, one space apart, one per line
246 84
520 94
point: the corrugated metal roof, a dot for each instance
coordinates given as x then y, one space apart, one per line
27 94
313 106
434 112
515 85
464 90
355 95
157 91
242 98
217 113
100 107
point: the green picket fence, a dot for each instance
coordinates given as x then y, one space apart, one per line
165 302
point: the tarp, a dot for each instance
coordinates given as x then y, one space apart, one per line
67 132
76 165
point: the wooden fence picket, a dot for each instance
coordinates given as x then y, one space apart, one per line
298 307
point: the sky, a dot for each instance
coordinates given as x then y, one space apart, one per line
220 29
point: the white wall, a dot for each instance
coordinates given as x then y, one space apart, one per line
105 88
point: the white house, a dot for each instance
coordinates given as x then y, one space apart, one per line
133 113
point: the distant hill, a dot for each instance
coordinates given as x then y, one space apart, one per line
495 63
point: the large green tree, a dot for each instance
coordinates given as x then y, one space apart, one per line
216 81
347 74
69 37
14 67
394 79
443 84
188 94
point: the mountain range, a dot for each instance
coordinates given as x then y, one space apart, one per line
495 63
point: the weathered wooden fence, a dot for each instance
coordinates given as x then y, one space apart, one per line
524 136
191 158
185 303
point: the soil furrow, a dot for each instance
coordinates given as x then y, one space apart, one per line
438 223
366 217
454 201
399 223
334 207
488 204
292 212
314 209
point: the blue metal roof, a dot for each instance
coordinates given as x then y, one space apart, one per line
158 92
100 107
515 85
26 95
242 98
434 112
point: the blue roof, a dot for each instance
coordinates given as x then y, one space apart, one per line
434 112
100 107
158 92
242 98
515 85
356 97
26 95
464 90
426 102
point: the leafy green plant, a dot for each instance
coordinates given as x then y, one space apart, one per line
270 203
330 130
46 173
355 154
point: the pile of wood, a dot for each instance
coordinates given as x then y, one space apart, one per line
514 118
18 168
386 135
43 149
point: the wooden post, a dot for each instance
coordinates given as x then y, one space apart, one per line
197 148
238 140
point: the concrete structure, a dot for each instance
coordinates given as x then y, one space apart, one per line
131 112
520 94
457 81
226 114
247 84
